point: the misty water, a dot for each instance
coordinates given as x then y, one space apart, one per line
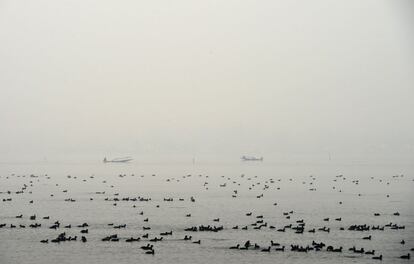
313 192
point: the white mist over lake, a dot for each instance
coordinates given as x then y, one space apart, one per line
290 81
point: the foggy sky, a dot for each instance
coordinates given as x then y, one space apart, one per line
279 79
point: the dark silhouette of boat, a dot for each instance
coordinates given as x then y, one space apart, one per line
118 160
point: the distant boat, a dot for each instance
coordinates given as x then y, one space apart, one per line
124 159
251 158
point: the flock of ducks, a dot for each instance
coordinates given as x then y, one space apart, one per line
256 222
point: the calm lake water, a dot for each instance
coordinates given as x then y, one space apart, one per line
221 190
